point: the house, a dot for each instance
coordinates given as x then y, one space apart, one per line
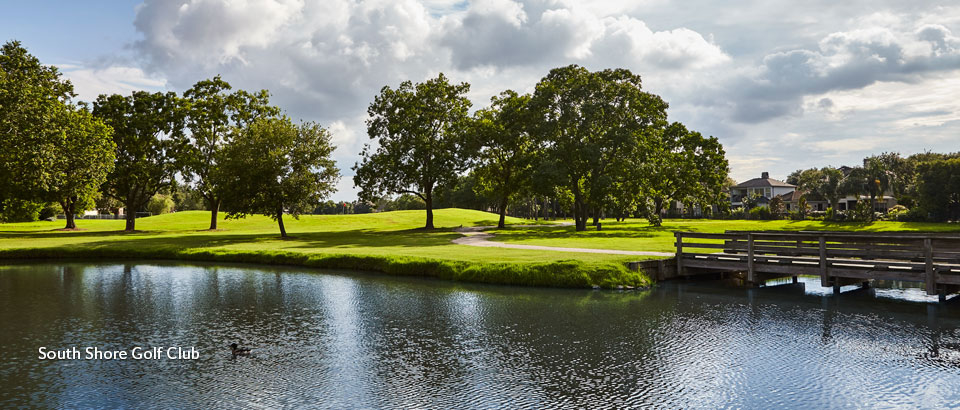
765 187
768 188
814 203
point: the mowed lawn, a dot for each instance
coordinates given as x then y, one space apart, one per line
380 234
638 235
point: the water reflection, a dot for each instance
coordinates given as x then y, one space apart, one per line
360 340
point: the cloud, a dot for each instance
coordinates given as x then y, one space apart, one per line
843 61
783 85
89 82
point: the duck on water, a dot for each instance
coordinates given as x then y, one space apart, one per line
238 351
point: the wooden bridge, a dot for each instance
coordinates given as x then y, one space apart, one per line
838 258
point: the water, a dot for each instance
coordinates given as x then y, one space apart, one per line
356 340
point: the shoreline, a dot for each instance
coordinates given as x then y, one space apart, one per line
557 274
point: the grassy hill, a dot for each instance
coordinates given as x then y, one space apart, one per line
389 242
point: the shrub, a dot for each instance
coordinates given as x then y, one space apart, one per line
160 204
761 213
776 206
894 214
51 211
15 210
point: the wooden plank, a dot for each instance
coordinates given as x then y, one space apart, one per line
751 274
701 235
929 280
824 279
679 236
702 245
906 276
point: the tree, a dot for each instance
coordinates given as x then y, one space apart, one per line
160 204
826 183
687 167
145 126
32 96
776 206
212 112
505 160
83 156
595 128
939 188
419 130
272 167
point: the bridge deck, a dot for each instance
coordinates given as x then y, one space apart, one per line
839 258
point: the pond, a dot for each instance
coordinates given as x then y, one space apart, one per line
347 340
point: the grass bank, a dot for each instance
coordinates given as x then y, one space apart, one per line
639 235
386 242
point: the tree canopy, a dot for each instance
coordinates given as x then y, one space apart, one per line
212 112
594 129
419 133
506 152
145 126
272 166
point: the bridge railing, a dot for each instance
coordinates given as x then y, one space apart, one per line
930 258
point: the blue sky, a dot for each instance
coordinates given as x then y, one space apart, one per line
784 85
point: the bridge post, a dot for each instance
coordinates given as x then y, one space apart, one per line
929 277
751 273
679 236
824 277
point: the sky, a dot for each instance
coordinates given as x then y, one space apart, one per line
784 85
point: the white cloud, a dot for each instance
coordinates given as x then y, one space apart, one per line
89 82
783 85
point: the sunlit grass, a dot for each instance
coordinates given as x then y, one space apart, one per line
638 235
390 242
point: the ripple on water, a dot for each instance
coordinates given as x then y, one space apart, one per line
341 341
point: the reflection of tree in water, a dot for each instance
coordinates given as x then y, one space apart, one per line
944 341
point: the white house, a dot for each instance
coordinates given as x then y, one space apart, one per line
764 186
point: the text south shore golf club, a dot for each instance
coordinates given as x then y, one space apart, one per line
136 353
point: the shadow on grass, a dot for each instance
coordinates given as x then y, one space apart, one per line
362 238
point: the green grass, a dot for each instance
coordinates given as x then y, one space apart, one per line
638 235
387 242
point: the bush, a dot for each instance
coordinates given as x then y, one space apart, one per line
51 211
160 204
761 213
15 210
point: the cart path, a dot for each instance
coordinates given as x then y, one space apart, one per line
474 236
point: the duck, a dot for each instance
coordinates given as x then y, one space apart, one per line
239 351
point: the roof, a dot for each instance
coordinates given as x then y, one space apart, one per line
763 182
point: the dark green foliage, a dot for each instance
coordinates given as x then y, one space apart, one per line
419 130
939 189
272 167
506 153
32 98
596 130
18 210
212 114
145 126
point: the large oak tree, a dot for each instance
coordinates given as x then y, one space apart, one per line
212 112
595 129
419 133
272 167
145 126
507 154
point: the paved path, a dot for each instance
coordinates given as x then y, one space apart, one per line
474 236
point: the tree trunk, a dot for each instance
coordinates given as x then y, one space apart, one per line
429 201
214 209
68 208
283 231
579 214
131 219
503 214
